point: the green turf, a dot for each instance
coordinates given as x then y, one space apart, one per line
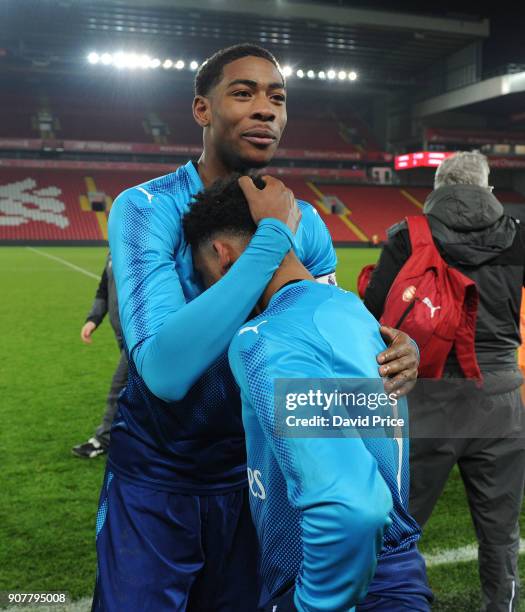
349 264
52 390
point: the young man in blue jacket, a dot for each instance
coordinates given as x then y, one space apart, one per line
330 512
174 530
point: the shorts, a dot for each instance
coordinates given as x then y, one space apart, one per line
399 585
161 551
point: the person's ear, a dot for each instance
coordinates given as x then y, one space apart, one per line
224 255
202 111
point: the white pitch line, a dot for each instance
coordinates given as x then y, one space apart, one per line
458 555
65 263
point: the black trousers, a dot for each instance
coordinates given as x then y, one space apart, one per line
490 455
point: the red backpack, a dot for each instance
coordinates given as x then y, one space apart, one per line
434 304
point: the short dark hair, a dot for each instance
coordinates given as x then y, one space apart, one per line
222 208
210 71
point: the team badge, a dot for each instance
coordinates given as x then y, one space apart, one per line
409 294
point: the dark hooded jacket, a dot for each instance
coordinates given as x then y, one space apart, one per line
473 235
106 301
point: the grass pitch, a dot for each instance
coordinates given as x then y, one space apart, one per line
52 394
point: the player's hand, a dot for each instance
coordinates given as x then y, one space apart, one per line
275 201
86 331
400 361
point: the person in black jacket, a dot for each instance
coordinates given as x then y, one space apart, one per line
479 430
105 302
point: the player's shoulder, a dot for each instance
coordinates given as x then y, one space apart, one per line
309 212
252 332
342 298
343 321
257 338
313 227
286 321
331 298
170 190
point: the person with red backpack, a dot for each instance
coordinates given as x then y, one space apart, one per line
452 279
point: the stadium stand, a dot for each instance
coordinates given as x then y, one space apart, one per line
76 119
306 190
44 205
370 210
182 130
80 124
37 204
54 204
328 136
476 137
17 112
354 130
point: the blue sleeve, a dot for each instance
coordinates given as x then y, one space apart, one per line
315 248
334 482
171 342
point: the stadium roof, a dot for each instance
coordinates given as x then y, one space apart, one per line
386 47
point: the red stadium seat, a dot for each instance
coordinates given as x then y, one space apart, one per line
52 205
